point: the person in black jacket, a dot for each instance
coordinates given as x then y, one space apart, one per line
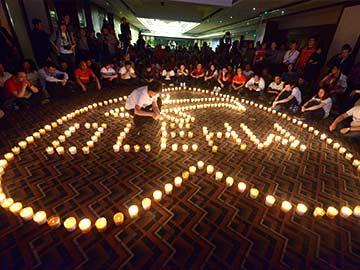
125 33
343 59
40 41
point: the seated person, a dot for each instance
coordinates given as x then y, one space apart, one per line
349 128
288 99
197 75
238 81
182 75
31 73
127 74
144 104
255 85
210 77
168 75
248 72
275 87
336 82
266 76
4 76
148 75
318 107
223 80
290 74
19 91
108 75
53 81
94 66
86 78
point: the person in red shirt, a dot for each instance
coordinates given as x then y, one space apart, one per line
197 75
238 81
224 80
86 78
18 91
259 57
305 54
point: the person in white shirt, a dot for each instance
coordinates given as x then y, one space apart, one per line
4 76
182 75
256 85
168 75
248 72
53 82
291 55
274 88
288 99
108 75
144 104
127 74
318 107
349 129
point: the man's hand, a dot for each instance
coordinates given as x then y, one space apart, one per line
303 109
274 104
83 88
63 82
99 86
332 127
344 130
353 93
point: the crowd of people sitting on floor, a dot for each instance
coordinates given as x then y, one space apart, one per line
283 76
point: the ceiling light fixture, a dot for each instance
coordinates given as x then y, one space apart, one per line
254 8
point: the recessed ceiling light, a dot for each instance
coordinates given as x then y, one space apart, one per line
230 17
220 21
283 11
254 8
247 23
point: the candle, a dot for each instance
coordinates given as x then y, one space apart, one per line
70 224
332 212
190 134
219 135
3 163
116 148
16 207
286 206
60 150
185 147
210 169
318 212
270 200
157 195
40 217
173 134
67 133
357 211
241 187
126 148
87 125
90 144
27 213
174 147
192 169
200 165
349 156
101 224
356 163
133 211
147 147
95 125
301 209
48 127
284 141
72 150
7 202
323 137
85 150
163 146
168 188
94 138
136 148
219 176
22 144
181 134
302 148
345 212
329 140
42 131
85 225
243 147
214 149
62 138
229 181
185 175
227 135
9 156
260 146
194 147
54 222
16 150
336 146
342 150
146 203
177 181
118 218
254 193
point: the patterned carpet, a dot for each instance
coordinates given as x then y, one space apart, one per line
203 224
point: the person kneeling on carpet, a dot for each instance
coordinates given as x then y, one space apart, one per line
144 104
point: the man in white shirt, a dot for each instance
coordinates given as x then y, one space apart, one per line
53 81
127 74
291 55
351 129
274 88
109 76
256 86
144 104
288 99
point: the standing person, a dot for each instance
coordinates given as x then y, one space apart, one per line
343 59
9 54
292 54
288 99
249 54
305 54
144 104
4 76
41 42
125 33
259 58
82 48
313 66
108 44
272 58
64 45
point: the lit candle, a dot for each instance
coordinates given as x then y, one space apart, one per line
174 147
40 217
192 169
22 144
286 206
229 181
85 225
194 147
168 188
219 176
48 127
241 187
36 135
318 212
185 175
302 148
146 203
185 147
70 224
181 134
133 211
85 150
126 148
357 211
54 222
9 156
254 193
356 163
219 135
157 195
147 147
95 125
42 131
323 137
345 212
16 150
27 213
329 140
190 134
243 147
260 146
284 141
349 156
136 148
118 218
67 133
332 212
90 144
336 146
270 200
62 138
177 181
200 165
210 169
214 149
301 209
101 224
16 207
72 150
342 150
116 148
60 150
87 125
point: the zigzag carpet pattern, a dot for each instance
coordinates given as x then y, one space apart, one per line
203 224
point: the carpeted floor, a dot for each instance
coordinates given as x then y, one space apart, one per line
204 224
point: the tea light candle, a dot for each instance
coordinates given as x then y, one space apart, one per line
194 147
181 134
284 141
219 135
16 150
16 207
54 222
345 212
40 217
286 206
185 175
174 147
101 224
49 150
147 147
60 150
190 134
301 209
356 212
87 125
85 150
95 125
318 212
270 200
192 169
157 195
146 203
329 141
214 149
243 147
260 146
116 148
241 187
70 224
133 211
168 188
342 150
72 150
27 213
118 218
9 156
85 225
67 133
185 147
336 146
23 144
302 148
136 148
200 165
229 181
42 131
126 148
210 169
90 144
323 137
356 163
218 176
48 127
349 156
332 212
177 181
254 193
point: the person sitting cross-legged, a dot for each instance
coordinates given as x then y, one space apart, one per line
288 99
349 129
223 80
255 85
53 81
238 81
144 104
318 107
86 78
127 74
109 77
274 89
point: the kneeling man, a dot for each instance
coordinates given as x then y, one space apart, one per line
144 104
